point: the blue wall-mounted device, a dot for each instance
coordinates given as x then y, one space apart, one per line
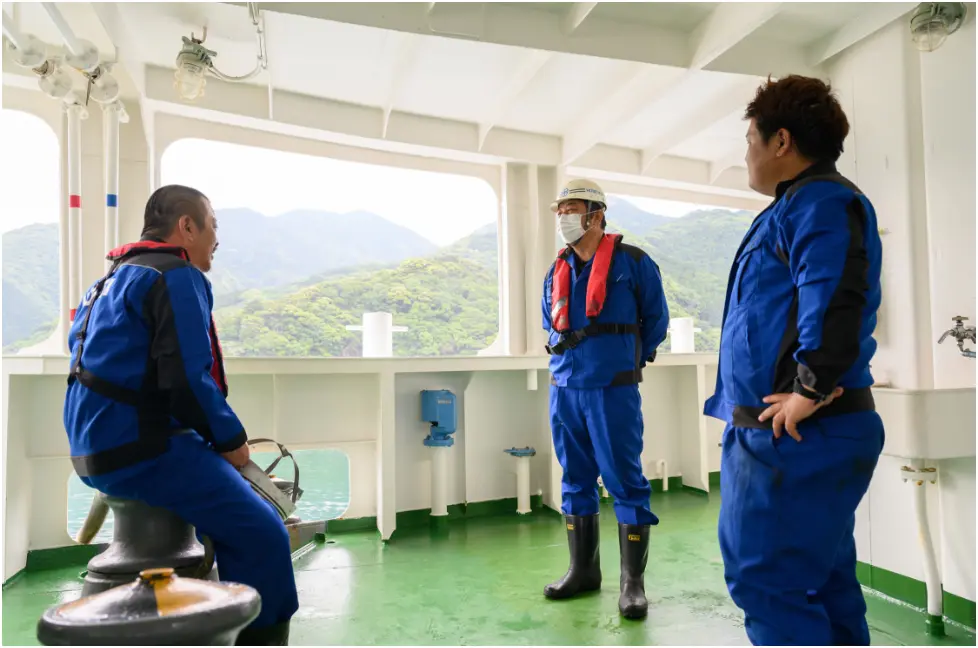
438 408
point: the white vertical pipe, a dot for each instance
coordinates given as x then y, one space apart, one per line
439 481
110 153
664 474
75 114
523 485
932 577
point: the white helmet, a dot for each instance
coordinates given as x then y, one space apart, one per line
579 189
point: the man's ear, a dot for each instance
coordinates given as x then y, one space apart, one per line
185 224
784 141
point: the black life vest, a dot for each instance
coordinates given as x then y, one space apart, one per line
119 256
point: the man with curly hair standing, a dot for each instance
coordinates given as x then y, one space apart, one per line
802 438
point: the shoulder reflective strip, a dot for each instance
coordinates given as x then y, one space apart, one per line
74 201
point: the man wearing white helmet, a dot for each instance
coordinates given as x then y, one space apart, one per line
605 312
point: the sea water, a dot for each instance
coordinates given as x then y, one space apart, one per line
324 477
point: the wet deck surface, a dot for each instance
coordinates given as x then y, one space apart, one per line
481 581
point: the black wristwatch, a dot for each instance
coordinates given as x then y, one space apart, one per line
800 388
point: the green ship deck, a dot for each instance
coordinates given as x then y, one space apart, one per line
480 580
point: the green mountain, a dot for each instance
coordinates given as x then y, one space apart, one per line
30 284
255 252
290 288
696 252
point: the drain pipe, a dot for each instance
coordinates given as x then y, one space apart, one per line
438 409
918 476
112 115
76 113
439 481
522 478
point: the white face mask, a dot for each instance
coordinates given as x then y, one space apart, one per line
569 227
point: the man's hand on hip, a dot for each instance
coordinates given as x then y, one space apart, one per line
239 456
788 410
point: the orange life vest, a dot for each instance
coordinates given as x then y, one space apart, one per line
597 291
597 283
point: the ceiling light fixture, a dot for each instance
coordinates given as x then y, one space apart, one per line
932 22
195 61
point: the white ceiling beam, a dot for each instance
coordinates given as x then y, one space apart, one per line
733 157
356 125
404 59
521 25
725 27
731 101
129 48
502 24
641 87
527 70
875 17
622 164
576 15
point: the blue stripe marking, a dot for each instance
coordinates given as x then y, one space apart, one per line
111 200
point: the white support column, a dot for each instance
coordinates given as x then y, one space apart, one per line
541 249
514 255
695 464
386 458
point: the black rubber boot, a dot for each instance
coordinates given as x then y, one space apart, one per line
273 635
584 574
633 541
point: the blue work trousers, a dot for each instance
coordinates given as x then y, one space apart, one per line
787 516
251 545
599 431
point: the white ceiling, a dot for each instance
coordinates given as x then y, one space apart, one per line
554 80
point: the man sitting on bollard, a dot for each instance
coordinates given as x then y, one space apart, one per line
146 408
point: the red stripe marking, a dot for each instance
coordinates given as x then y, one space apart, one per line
74 202
71 314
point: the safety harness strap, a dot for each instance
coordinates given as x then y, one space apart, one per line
77 372
104 387
106 461
572 339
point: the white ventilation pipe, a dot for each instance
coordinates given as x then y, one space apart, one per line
919 476
523 485
112 115
76 113
439 481
378 334
661 464
681 332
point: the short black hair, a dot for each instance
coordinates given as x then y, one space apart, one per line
806 108
165 207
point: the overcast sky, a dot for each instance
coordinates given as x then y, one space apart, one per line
440 207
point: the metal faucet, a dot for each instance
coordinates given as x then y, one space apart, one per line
960 332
